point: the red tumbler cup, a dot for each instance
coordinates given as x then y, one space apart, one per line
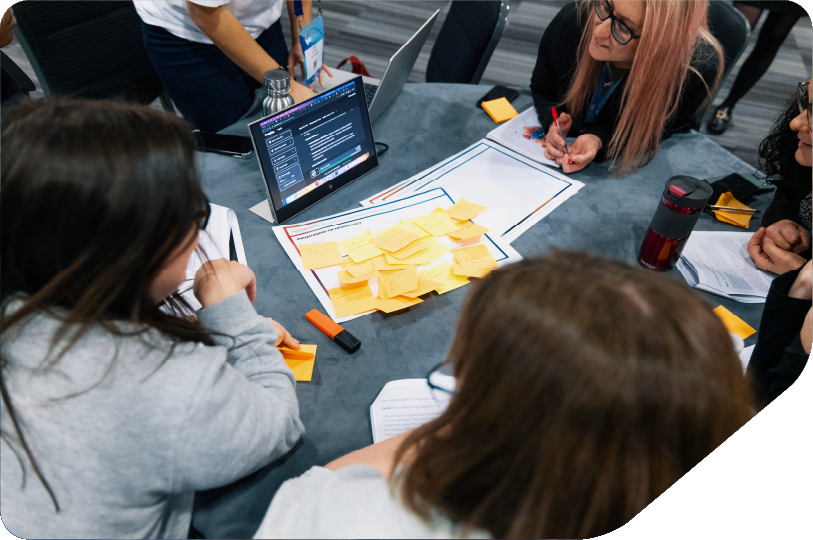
682 201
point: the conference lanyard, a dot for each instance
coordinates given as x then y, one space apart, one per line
312 40
598 100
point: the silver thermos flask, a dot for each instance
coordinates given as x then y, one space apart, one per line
278 85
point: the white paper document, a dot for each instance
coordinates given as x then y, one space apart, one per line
718 262
524 134
352 223
745 357
404 405
517 191
214 242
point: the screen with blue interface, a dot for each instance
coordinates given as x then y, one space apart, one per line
311 149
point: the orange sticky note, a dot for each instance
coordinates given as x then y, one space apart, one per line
396 303
444 274
345 278
431 252
360 248
474 258
394 238
734 218
463 210
357 270
398 282
320 255
382 265
352 299
424 286
734 324
410 250
467 230
404 226
300 361
437 222
499 110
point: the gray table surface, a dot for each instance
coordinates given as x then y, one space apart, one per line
426 124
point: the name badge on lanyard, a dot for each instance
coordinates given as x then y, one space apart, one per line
312 40
598 100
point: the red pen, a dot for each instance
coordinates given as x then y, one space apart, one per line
556 121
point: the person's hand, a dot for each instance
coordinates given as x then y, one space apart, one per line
582 152
7 24
768 256
789 236
296 58
284 337
802 288
299 92
806 335
554 143
322 76
220 279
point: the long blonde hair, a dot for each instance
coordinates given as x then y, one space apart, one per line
673 33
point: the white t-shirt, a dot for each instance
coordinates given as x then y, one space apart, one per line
171 15
353 502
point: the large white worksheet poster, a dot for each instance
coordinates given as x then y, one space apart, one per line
517 191
348 224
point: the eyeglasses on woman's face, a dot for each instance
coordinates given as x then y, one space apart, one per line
803 100
441 381
620 31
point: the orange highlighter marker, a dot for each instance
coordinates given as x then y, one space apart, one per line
556 121
345 339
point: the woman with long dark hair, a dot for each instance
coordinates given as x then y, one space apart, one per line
585 388
782 243
624 76
115 411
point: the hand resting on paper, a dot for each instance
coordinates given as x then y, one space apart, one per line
220 279
554 143
582 151
284 337
767 255
789 236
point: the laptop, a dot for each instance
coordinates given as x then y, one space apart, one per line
314 148
380 93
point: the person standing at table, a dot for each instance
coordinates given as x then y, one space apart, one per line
115 407
585 388
211 54
782 243
624 76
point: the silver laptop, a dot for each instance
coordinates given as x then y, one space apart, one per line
379 93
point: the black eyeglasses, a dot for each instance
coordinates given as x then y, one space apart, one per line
620 31
441 381
203 216
803 100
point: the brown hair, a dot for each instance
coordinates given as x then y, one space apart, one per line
585 389
672 36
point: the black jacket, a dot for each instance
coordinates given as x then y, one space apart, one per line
556 64
778 358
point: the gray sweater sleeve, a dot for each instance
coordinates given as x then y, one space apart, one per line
243 411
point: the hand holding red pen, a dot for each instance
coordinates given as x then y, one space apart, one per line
555 137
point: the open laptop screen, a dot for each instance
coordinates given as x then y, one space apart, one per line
311 149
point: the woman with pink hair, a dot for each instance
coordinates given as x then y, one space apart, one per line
624 76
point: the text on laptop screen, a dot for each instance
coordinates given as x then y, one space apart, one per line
313 143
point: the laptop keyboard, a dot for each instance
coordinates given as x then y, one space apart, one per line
369 92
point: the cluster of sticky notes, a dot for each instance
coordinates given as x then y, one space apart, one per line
300 361
741 219
393 255
499 110
734 324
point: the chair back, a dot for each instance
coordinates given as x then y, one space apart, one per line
93 50
466 41
731 29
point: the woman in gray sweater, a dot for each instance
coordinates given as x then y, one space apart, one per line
115 408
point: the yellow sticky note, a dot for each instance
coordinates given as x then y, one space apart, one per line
458 271
467 230
360 248
320 255
463 210
352 299
410 250
382 265
345 278
474 258
437 222
734 324
499 110
357 270
424 286
444 274
439 273
398 282
397 303
404 226
394 238
734 218
431 252
301 362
